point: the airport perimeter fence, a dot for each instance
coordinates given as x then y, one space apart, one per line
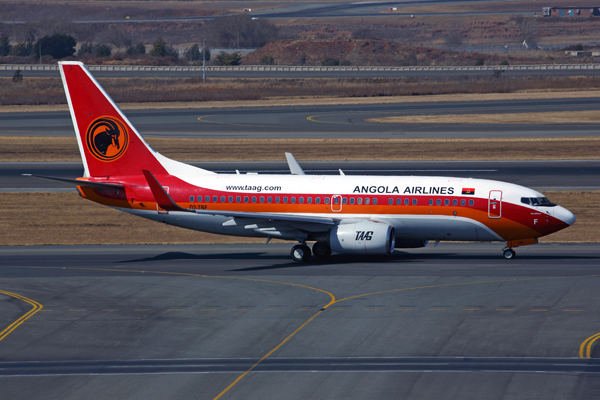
282 68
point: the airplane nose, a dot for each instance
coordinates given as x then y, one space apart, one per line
564 215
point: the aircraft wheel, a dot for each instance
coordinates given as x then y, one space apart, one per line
509 254
321 250
300 252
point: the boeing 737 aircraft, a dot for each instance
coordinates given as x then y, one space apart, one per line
341 214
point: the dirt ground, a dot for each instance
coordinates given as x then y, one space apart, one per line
557 117
32 148
65 218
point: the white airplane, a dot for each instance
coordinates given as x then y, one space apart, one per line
341 214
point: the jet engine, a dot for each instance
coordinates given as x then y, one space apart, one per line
362 237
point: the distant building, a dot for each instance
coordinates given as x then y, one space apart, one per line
571 11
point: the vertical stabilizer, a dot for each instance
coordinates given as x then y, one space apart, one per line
109 144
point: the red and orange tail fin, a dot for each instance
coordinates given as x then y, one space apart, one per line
109 143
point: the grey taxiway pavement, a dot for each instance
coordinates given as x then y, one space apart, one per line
334 121
540 175
185 321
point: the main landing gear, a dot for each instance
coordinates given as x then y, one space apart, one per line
509 253
300 252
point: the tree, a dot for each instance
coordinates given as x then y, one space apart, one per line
206 53
5 46
193 53
160 48
116 35
57 46
228 58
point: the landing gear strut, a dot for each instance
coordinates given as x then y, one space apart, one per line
300 252
321 250
509 253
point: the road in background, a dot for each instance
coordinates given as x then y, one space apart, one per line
322 121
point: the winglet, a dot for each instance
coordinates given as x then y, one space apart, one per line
162 198
295 168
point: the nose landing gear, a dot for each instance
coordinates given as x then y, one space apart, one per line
300 252
509 253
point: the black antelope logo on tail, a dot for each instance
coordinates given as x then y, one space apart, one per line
107 138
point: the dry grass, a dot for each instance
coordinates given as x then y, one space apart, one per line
48 91
18 148
69 219
555 117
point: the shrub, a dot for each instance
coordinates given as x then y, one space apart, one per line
480 61
504 62
102 50
22 49
228 58
86 48
267 59
328 62
5 46
137 49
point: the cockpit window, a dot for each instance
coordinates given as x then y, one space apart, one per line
537 201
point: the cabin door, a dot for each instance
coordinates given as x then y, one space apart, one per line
495 204
336 203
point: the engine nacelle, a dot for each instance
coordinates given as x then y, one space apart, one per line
410 243
363 237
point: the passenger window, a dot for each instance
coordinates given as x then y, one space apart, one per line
215 199
463 202
285 200
344 200
406 202
231 199
277 199
269 199
317 200
390 201
262 199
351 200
438 202
301 200
293 200
199 199
222 199
192 199
254 199
326 200
246 198
471 202
309 200
454 202
375 201
430 202
359 200
207 199
399 201
336 200
446 202
367 201
414 202
238 199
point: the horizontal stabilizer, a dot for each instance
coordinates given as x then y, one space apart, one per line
162 198
78 182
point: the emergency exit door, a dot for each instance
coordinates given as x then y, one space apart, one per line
495 204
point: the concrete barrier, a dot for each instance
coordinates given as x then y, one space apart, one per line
287 68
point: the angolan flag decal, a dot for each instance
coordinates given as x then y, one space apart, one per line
468 191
